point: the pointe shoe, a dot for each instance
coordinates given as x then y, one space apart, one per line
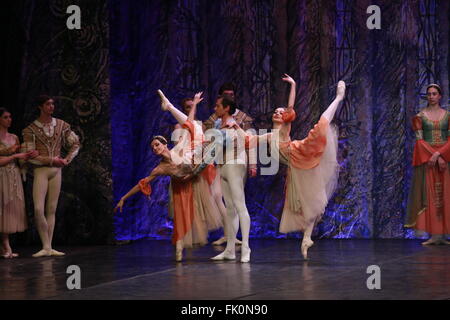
179 255
220 241
245 254
42 253
443 242
306 244
226 255
237 242
340 92
165 103
57 253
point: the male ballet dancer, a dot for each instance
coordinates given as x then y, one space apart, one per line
48 135
243 120
233 172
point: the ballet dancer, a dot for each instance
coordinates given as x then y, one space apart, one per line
48 135
233 173
194 209
312 165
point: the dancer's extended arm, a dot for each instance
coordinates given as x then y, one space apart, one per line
138 187
251 140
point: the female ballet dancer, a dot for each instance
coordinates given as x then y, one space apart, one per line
213 181
312 166
12 202
429 200
195 211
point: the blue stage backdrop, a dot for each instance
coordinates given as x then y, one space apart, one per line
185 46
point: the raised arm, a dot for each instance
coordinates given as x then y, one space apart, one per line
197 99
291 100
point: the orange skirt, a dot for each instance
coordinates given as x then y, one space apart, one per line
429 203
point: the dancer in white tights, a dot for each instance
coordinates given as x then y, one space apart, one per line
312 166
232 172
48 136
214 173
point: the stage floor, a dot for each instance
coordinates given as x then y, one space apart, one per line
145 269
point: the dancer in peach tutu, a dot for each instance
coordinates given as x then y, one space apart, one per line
312 165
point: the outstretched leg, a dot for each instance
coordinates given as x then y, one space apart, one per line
167 106
340 94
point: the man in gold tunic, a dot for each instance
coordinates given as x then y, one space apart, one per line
48 135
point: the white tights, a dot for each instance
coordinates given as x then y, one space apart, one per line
233 177
47 184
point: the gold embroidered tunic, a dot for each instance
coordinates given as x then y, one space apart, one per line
49 139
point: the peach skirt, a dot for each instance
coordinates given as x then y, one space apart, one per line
312 176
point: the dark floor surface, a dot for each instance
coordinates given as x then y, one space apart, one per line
146 269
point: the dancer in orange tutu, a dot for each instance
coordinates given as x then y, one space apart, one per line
194 209
213 177
429 200
312 165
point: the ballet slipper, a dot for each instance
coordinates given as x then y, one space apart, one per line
226 255
7 255
43 253
443 242
224 239
340 92
57 253
245 254
220 241
165 103
430 242
306 244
